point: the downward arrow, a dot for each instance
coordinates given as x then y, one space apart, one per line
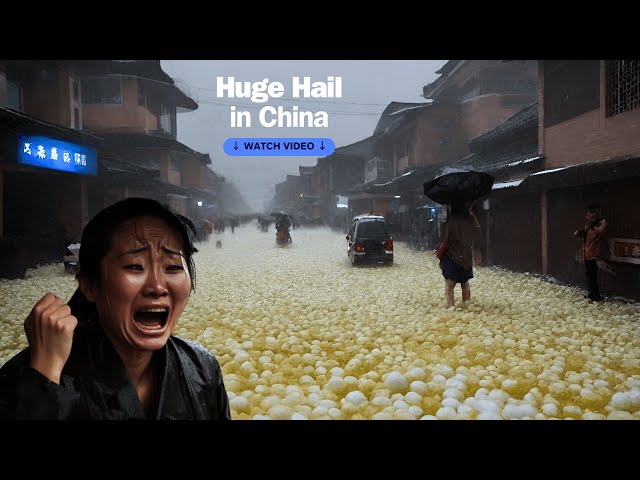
236 145
322 145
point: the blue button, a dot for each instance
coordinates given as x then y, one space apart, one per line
279 147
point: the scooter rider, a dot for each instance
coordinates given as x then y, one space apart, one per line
283 223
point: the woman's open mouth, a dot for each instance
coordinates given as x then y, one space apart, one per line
149 319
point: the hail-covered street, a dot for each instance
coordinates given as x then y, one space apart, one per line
302 334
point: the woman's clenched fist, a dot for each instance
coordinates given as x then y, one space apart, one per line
49 328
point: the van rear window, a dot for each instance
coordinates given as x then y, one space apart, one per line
372 229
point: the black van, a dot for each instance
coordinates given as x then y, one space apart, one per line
369 240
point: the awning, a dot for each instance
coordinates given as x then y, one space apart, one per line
13 122
430 204
400 185
509 184
127 140
583 174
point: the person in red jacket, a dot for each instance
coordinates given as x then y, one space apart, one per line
595 247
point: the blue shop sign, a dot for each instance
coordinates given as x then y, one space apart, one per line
56 154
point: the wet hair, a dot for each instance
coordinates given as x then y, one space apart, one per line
592 207
97 235
459 207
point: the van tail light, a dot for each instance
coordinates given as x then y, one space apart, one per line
358 247
388 245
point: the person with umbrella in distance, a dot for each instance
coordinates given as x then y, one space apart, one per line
457 189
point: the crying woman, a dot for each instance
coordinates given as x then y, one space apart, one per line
109 353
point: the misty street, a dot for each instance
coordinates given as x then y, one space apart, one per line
376 239
301 333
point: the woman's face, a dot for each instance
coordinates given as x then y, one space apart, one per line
144 284
591 215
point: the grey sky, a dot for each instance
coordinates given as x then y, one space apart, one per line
368 86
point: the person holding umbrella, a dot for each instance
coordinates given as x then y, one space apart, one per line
458 188
456 255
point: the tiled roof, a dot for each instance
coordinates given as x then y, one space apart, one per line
527 118
389 121
361 148
496 161
146 69
445 72
138 139
29 124
401 184
120 167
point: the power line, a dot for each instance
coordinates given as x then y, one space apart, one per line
198 88
299 99
337 112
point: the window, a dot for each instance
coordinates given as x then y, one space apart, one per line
372 229
14 95
106 91
174 165
444 140
76 108
571 88
142 100
623 86
167 119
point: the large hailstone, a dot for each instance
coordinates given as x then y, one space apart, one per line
396 382
356 398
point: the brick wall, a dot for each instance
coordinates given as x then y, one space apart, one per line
591 137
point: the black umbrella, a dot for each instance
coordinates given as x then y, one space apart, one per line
277 214
456 185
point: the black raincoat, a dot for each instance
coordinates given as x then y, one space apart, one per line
95 384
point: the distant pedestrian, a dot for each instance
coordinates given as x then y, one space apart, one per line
455 251
595 249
